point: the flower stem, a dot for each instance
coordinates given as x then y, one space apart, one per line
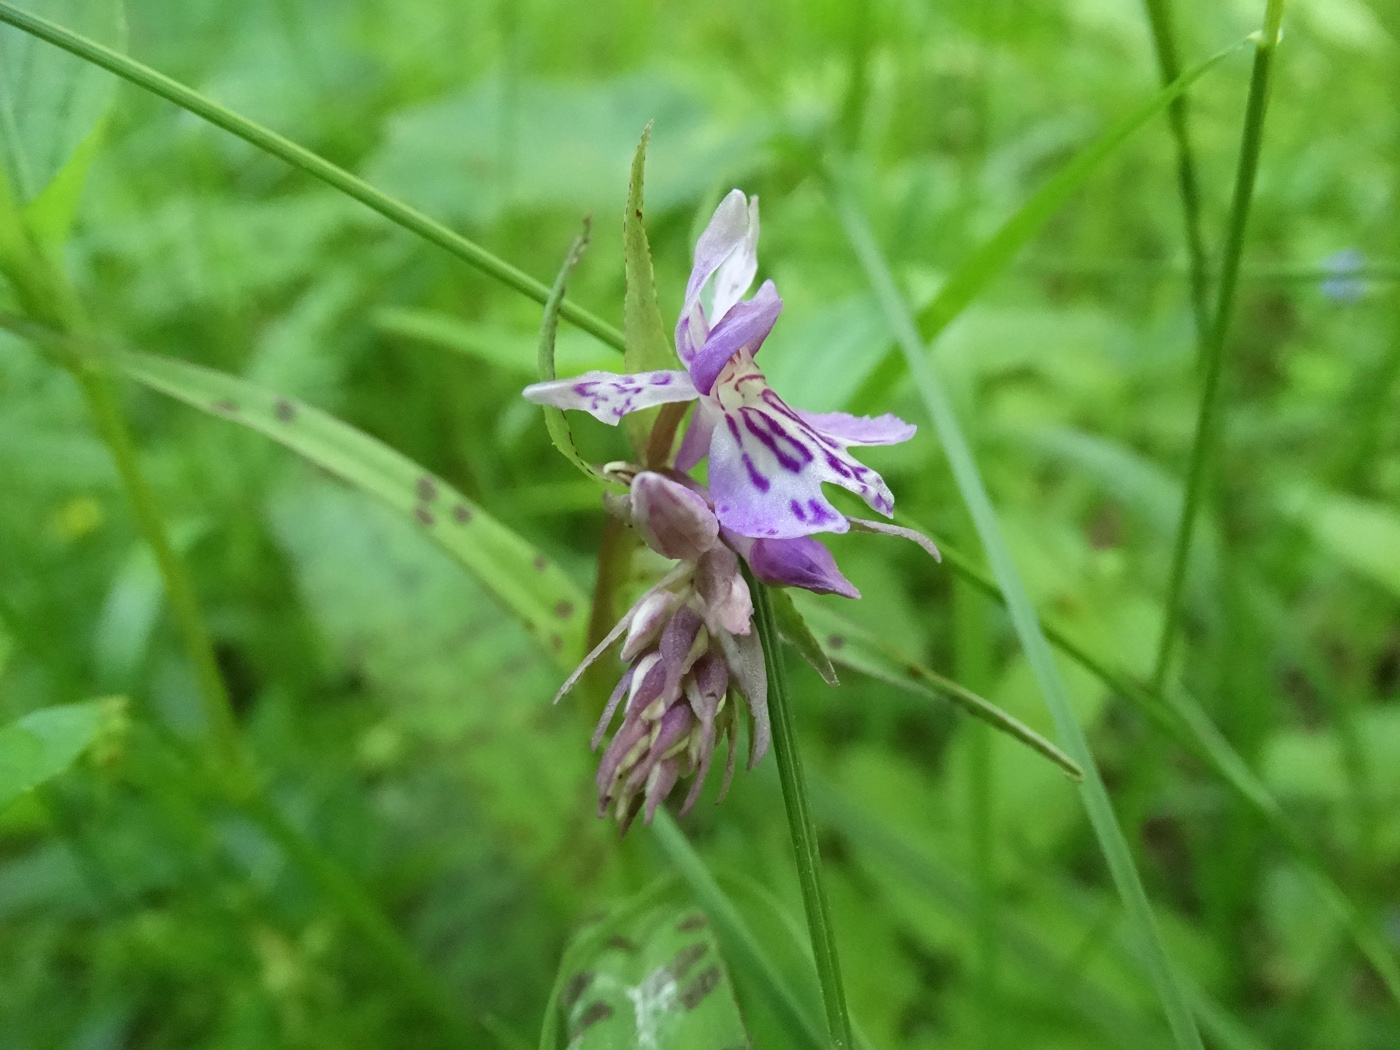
1207 418
800 823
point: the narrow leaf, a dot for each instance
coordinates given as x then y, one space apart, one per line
851 645
554 420
647 346
793 628
1112 843
526 582
44 743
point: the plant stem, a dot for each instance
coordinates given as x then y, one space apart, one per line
1206 422
300 157
800 823
1164 40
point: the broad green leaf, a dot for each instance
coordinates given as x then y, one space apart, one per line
51 103
648 348
510 350
656 980
851 645
44 743
1363 536
526 582
554 419
795 631
742 949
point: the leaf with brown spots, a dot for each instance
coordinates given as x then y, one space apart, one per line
522 579
647 975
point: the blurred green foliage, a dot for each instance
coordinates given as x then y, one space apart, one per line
401 717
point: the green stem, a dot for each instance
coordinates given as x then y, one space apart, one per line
179 589
1206 422
1164 40
300 157
800 823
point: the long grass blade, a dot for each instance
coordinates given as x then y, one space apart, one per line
1112 842
800 823
303 159
1207 419
1182 718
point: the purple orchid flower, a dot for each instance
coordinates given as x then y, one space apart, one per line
691 652
768 461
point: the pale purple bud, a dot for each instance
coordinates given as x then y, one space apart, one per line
727 604
799 562
648 618
674 521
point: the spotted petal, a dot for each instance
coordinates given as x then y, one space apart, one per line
768 464
608 396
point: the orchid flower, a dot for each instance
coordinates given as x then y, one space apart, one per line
768 461
692 655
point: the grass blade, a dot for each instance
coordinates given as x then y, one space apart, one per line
1182 718
1112 843
800 823
1207 418
846 642
536 590
302 158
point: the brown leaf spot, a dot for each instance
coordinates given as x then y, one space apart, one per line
703 985
424 516
598 1011
541 562
225 406
461 514
427 489
836 641
573 991
620 943
564 610
284 410
556 642
686 959
692 922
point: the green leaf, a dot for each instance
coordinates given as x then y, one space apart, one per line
1363 536
44 743
853 646
655 979
554 419
795 631
647 346
527 583
741 948
51 103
